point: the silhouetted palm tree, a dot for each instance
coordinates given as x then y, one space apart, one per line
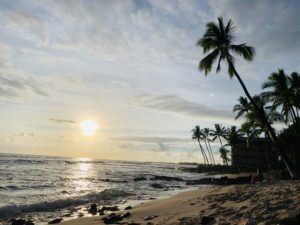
218 40
224 155
241 108
280 94
295 87
218 132
233 135
196 134
205 134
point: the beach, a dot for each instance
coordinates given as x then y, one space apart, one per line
263 203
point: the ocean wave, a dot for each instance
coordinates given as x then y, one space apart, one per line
107 194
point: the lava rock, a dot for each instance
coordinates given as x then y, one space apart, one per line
112 218
128 207
149 218
207 220
126 215
166 178
57 220
18 221
108 208
93 209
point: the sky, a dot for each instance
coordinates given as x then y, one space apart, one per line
131 66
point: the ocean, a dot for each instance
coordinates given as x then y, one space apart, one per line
41 188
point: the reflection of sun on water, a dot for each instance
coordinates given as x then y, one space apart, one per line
88 127
81 173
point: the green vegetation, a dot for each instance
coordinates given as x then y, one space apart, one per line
279 103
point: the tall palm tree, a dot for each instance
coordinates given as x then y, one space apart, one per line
207 133
196 134
219 132
218 40
204 138
280 94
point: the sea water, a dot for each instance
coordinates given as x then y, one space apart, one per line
42 187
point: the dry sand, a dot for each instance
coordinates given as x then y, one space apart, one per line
264 203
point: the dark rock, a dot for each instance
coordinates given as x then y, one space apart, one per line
80 215
166 178
207 220
57 220
93 209
156 185
112 218
29 222
18 222
200 181
108 208
149 218
126 215
221 181
140 178
133 223
128 207
149 223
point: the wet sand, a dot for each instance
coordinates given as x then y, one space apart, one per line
263 203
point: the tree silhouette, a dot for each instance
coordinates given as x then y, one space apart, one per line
217 40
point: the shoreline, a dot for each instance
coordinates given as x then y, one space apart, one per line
263 203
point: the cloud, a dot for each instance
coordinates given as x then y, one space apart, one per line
180 106
61 120
150 139
273 32
31 26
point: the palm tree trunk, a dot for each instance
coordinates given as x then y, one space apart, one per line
211 162
211 152
293 113
275 141
203 153
220 141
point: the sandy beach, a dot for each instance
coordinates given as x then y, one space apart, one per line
263 203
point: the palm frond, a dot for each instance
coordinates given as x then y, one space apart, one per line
207 62
247 52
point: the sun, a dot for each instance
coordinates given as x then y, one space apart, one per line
88 127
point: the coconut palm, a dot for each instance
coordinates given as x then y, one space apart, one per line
295 87
205 133
218 132
241 108
233 135
280 94
217 42
196 134
224 155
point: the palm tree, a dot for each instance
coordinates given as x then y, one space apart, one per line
233 135
207 133
280 94
196 134
295 87
218 39
241 108
219 132
224 155
205 136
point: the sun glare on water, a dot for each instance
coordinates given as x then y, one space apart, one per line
88 127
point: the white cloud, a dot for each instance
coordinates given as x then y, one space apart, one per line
180 106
